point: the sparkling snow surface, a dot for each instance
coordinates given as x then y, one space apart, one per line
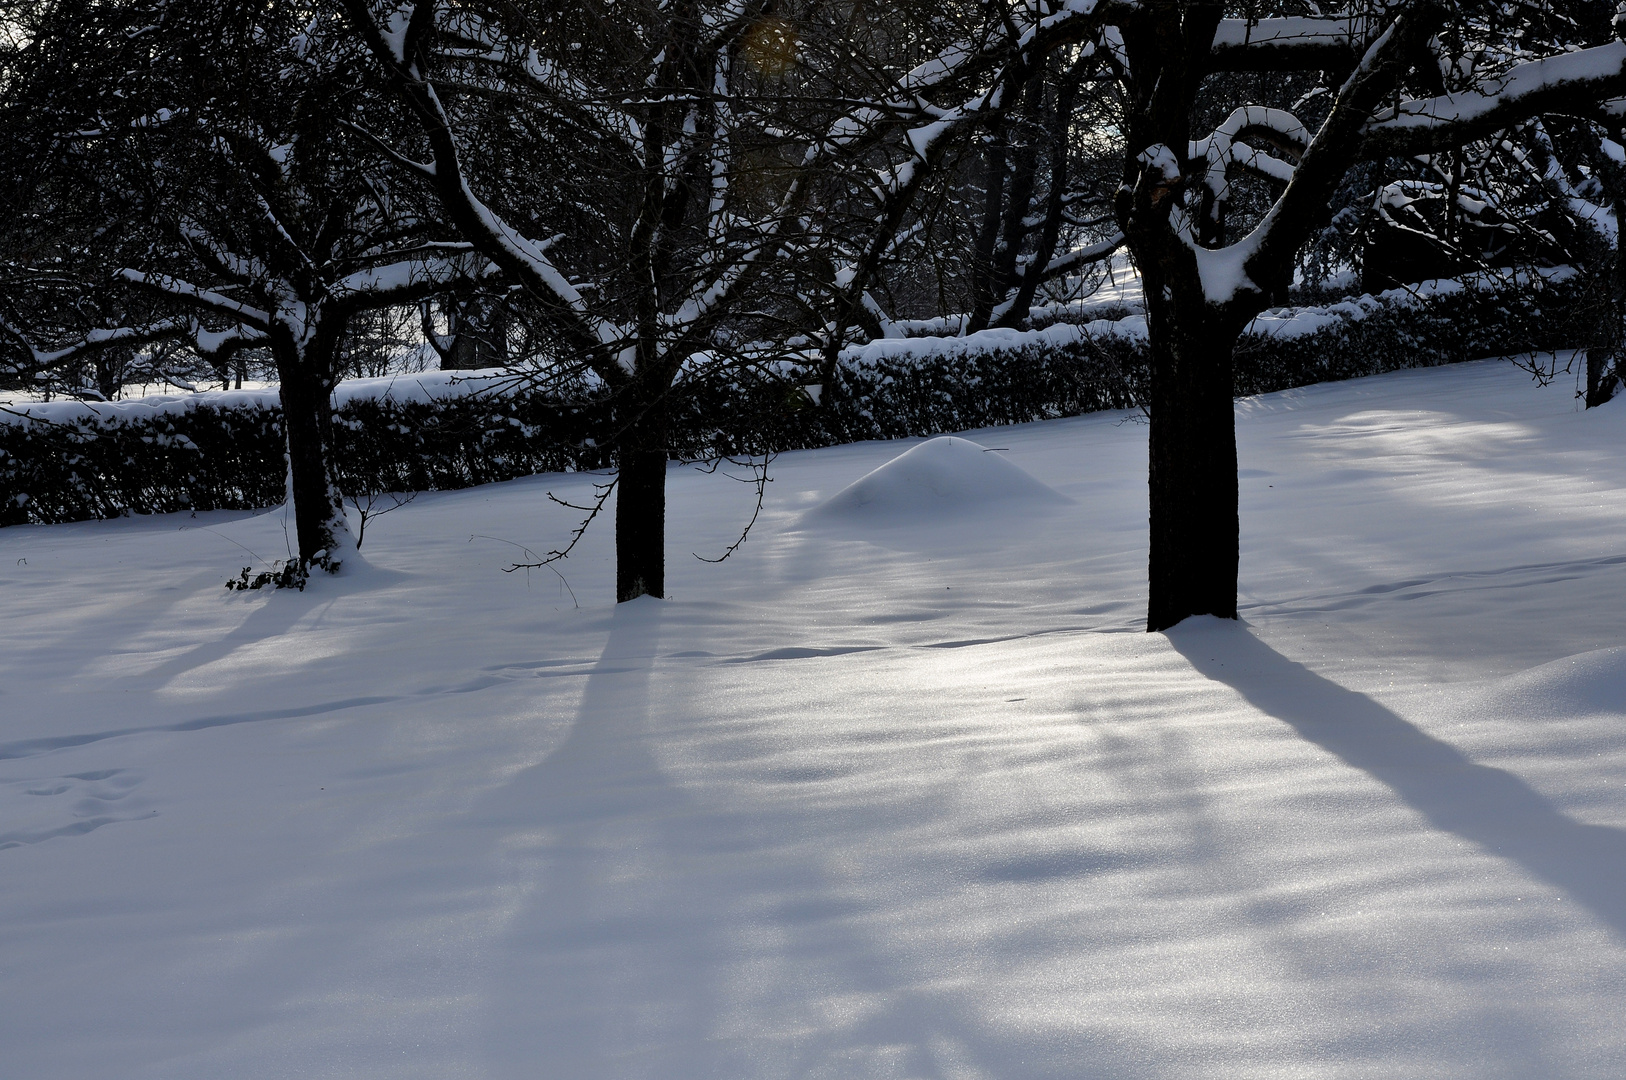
907 802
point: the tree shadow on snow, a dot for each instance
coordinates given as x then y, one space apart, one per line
613 960
1489 807
681 933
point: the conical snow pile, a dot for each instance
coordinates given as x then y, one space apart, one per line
945 477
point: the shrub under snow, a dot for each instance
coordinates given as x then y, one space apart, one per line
69 461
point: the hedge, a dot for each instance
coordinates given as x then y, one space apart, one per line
75 461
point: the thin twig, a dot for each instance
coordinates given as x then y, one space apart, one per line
229 540
575 537
527 566
761 479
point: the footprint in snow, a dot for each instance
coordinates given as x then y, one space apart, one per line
38 808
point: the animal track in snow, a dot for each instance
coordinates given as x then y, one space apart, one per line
37 808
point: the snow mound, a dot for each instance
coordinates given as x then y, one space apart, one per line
945 476
1588 683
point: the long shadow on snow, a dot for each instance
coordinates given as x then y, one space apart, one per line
1489 807
91 635
661 915
611 970
23 748
273 618
277 613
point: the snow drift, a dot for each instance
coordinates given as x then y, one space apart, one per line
943 477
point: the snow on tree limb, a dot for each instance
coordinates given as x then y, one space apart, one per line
1223 149
1600 218
221 257
1072 261
1573 82
1293 43
425 169
197 296
403 280
1254 265
503 244
1360 126
218 344
211 344
93 341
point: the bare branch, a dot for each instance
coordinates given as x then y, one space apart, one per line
592 512
761 479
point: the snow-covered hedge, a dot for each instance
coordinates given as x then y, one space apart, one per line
204 456
1435 322
918 386
69 461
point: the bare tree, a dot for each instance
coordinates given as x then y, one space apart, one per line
265 220
702 147
1202 285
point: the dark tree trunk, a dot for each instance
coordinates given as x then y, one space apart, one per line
493 350
640 503
1006 205
110 365
1191 464
1600 382
305 375
1603 362
1192 487
987 238
1055 200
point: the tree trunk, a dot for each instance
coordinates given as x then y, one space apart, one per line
1599 389
1603 361
494 323
640 503
1191 460
110 365
304 371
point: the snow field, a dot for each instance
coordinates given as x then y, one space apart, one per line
902 796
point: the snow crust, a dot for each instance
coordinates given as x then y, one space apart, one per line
848 806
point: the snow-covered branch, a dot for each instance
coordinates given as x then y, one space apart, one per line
406 280
197 296
1225 149
505 245
1576 83
213 345
94 341
219 255
1258 263
1073 261
1294 43
1600 218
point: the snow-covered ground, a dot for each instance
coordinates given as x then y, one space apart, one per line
886 794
